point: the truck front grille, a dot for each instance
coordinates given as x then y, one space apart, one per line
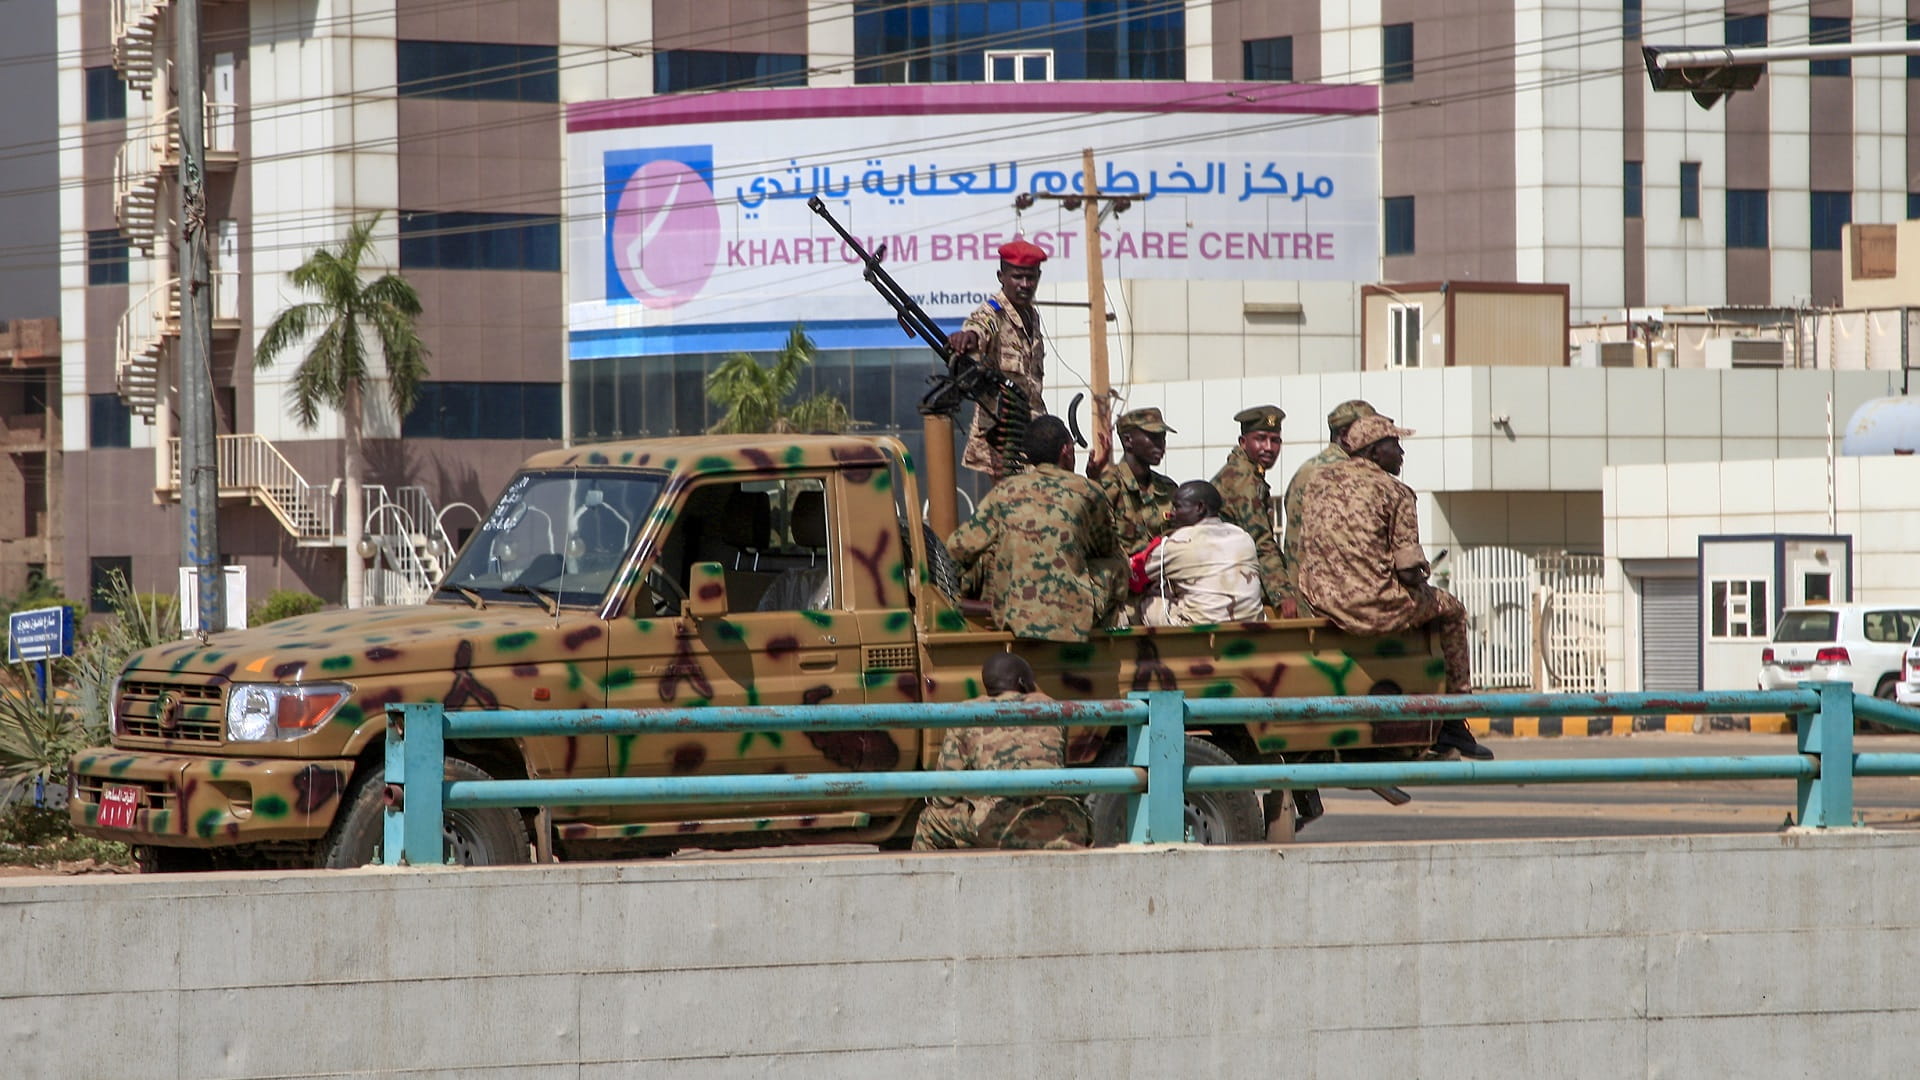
180 712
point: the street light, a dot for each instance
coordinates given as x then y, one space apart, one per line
1712 72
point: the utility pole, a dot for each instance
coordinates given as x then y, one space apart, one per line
1101 388
199 472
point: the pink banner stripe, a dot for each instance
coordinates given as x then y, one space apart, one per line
950 98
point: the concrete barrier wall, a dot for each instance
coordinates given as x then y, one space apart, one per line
1722 956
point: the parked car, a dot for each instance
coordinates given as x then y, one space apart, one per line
1907 692
1864 644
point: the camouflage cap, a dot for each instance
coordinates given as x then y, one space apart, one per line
1371 429
1259 418
1345 413
1147 420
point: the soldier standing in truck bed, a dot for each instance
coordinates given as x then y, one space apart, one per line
1247 501
1141 498
1047 539
961 821
1362 566
1004 333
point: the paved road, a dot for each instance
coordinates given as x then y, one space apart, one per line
1551 810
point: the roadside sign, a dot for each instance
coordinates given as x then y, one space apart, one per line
40 634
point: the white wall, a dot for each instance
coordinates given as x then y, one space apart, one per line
1671 956
1661 511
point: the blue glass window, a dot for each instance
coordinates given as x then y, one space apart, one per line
1832 212
1747 218
476 71
1632 189
1830 31
1269 59
676 70
1689 189
106 94
459 240
925 41
1746 29
476 410
106 257
109 422
1396 53
1913 205
1399 225
1630 20
1913 62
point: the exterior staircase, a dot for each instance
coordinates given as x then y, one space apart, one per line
136 40
409 545
146 328
252 468
136 186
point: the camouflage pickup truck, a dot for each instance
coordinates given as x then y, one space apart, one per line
717 570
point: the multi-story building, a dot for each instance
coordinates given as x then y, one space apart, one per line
1510 142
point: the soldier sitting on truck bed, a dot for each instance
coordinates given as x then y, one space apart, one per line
1047 538
1050 821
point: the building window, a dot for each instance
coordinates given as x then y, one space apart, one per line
106 257
1268 59
106 94
678 70
929 41
1403 335
1396 53
1746 218
1630 20
1913 205
475 71
101 572
1832 211
484 410
1632 189
109 422
1746 29
1689 189
1913 62
1825 30
1399 225
458 240
1738 609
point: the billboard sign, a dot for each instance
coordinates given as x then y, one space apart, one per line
687 219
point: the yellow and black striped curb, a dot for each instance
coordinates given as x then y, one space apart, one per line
1550 727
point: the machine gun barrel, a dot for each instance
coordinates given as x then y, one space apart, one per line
913 318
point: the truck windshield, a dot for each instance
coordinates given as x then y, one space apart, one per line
555 536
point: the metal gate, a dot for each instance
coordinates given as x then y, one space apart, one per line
1670 633
1495 584
1534 620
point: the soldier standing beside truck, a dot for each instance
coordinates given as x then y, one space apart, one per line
1005 333
1043 536
1054 822
1141 498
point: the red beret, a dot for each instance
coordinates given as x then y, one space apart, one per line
1022 253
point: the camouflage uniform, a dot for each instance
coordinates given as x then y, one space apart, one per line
1011 347
1341 418
1041 533
1139 507
1358 527
1206 572
984 821
1246 501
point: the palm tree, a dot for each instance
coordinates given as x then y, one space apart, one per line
756 396
338 365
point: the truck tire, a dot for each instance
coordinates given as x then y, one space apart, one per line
489 837
1213 817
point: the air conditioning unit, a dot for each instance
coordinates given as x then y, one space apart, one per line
1606 354
1746 352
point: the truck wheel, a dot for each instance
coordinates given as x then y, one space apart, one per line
1213 817
489 837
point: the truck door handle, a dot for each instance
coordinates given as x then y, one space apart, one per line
819 661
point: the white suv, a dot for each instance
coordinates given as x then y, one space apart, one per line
1864 644
1908 692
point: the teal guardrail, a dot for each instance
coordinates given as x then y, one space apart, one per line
1156 776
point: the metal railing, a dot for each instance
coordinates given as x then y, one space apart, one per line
405 530
249 464
1156 777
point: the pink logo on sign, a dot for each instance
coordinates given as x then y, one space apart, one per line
666 234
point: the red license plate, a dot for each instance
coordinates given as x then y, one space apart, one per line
118 803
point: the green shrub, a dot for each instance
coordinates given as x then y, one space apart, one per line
283 604
30 836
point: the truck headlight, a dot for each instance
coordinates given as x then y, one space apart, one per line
264 712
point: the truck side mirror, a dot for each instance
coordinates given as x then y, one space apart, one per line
707 591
